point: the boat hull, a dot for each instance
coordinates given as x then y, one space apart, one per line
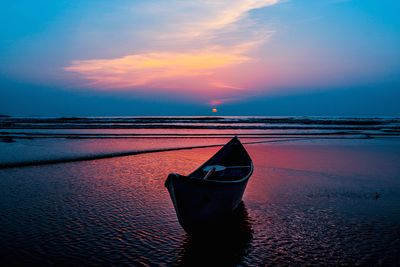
208 197
200 204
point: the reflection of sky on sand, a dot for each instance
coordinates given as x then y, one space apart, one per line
325 170
306 203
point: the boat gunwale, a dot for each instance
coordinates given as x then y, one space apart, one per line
190 177
226 146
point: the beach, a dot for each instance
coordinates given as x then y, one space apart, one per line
322 202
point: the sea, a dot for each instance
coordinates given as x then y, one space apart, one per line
40 140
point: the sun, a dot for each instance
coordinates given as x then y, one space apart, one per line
214 110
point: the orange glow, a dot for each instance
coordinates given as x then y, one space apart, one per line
214 110
158 70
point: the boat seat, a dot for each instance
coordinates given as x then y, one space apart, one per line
222 168
224 173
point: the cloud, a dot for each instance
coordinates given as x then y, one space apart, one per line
209 16
197 41
151 69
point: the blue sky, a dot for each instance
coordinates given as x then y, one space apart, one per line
250 57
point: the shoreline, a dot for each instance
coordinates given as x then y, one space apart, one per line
105 155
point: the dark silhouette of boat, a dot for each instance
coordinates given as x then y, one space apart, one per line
208 197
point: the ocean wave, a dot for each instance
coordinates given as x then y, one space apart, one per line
196 122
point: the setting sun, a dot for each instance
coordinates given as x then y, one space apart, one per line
214 110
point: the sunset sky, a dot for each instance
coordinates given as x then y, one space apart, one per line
248 57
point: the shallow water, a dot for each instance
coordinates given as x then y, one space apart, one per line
313 202
39 140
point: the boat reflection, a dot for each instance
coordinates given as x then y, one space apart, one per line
225 246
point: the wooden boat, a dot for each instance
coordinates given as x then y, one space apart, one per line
209 196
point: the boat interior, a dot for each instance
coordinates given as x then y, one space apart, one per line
225 173
230 164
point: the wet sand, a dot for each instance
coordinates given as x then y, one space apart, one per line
311 202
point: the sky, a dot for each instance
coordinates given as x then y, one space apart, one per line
248 57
